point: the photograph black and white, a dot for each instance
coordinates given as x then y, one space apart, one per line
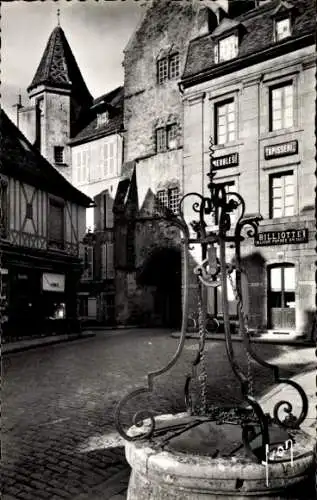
158 249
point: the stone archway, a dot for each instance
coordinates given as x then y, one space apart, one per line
162 272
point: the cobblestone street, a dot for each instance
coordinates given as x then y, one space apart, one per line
58 434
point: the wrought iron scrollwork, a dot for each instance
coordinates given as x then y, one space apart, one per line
213 271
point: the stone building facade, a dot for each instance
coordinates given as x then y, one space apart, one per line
154 61
250 85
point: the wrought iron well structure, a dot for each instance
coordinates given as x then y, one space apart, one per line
213 231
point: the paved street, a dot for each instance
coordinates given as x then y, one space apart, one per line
58 434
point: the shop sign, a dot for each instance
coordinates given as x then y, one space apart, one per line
231 160
3 271
53 282
282 149
286 237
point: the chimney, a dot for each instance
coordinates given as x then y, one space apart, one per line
18 105
238 7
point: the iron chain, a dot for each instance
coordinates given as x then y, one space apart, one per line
202 344
245 328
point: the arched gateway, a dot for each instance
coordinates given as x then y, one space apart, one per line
162 272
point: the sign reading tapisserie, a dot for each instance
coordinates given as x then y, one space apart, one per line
282 149
225 161
281 237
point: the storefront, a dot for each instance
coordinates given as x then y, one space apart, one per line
281 289
41 300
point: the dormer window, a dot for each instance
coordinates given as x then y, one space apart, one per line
226 48
102 118
282 28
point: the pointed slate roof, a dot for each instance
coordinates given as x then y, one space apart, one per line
58 67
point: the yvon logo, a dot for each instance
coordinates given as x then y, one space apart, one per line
275 453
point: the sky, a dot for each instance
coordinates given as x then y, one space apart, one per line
97 32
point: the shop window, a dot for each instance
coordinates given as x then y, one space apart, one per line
226 49
282 286
56 224
168 68
281 106
281 296
58 154
282 194
225 121
282 28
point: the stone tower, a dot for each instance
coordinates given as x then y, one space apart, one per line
59 99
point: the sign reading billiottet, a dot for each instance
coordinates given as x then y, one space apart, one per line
284 237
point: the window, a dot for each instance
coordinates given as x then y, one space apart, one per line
226 49
102 118
4 208
162 70
166 138
281 106
29 211
281 296
282 28
162 198
56 224
107 261
82 306
173 199
168 68
107 211
171 136
282 195
39 122
174 66
58 154
168 198
160 140
88 273
225 118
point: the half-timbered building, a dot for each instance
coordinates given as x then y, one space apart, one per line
82 137
42 226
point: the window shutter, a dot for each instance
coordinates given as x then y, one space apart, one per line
104 260
216 53
110 267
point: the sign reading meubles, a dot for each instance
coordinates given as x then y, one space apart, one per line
225 161
281 237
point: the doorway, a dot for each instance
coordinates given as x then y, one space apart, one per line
281 297
162 270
